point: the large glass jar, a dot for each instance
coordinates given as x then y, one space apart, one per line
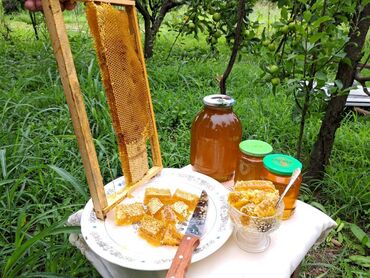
250 163
215 135
278 168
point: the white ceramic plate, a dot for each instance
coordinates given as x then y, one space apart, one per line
122 246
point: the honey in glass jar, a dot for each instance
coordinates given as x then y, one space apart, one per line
215 135
250 163
278 168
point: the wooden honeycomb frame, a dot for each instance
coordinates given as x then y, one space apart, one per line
62 51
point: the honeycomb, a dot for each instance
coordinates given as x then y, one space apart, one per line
125 83
127 214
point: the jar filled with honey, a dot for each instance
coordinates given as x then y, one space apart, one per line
278 168
250 163
215 135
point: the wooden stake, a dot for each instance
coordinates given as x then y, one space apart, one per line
62 51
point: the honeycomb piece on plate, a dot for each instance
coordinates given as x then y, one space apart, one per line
154 206
181 210
171 236
163 194
167 215
151 230
188 198
126 214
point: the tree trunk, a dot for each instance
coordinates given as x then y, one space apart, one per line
149 40
334 112
153 22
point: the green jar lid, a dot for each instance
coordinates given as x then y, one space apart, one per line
281 164
255 148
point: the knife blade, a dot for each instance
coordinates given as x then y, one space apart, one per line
190 240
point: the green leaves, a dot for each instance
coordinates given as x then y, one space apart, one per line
361 260
10 269
81 188
360 235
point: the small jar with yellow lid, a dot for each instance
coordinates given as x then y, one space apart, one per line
250 163
278 169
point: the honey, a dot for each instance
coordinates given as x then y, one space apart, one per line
250 164
278 169
254 198
215 134
151 230
154 206
167 215
163 194
171 236
181 210
127 214
188 198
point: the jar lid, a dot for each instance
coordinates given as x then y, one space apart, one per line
218 100
255 148
281 164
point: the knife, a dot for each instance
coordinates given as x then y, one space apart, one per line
190 240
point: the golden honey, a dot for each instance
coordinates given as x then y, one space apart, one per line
163 194
215 134
171 236
151 230
127 214
278 169
188 198
181 210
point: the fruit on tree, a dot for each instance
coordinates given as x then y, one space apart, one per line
216 17
271 47
275 81
191 25
284 29
273 69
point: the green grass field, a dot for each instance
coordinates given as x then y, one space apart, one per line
42 179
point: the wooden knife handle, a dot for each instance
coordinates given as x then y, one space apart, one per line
182 259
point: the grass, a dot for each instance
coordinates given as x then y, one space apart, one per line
42 179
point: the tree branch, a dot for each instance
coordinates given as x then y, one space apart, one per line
165 8
241 13
143 10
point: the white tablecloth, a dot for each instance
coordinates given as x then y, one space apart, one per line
289 244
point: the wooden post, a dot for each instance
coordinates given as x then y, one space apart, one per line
62 51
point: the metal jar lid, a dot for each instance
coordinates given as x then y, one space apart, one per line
218 100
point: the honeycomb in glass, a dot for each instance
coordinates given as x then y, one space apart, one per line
181 210
163 194
254 185
151 229
154 206
126 214
188 198
171 236
254 198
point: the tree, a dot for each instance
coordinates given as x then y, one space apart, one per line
217 18
154 12
346 74
308 45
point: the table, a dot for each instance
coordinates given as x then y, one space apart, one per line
289 244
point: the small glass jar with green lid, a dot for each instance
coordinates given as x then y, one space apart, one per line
278 169
250 163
